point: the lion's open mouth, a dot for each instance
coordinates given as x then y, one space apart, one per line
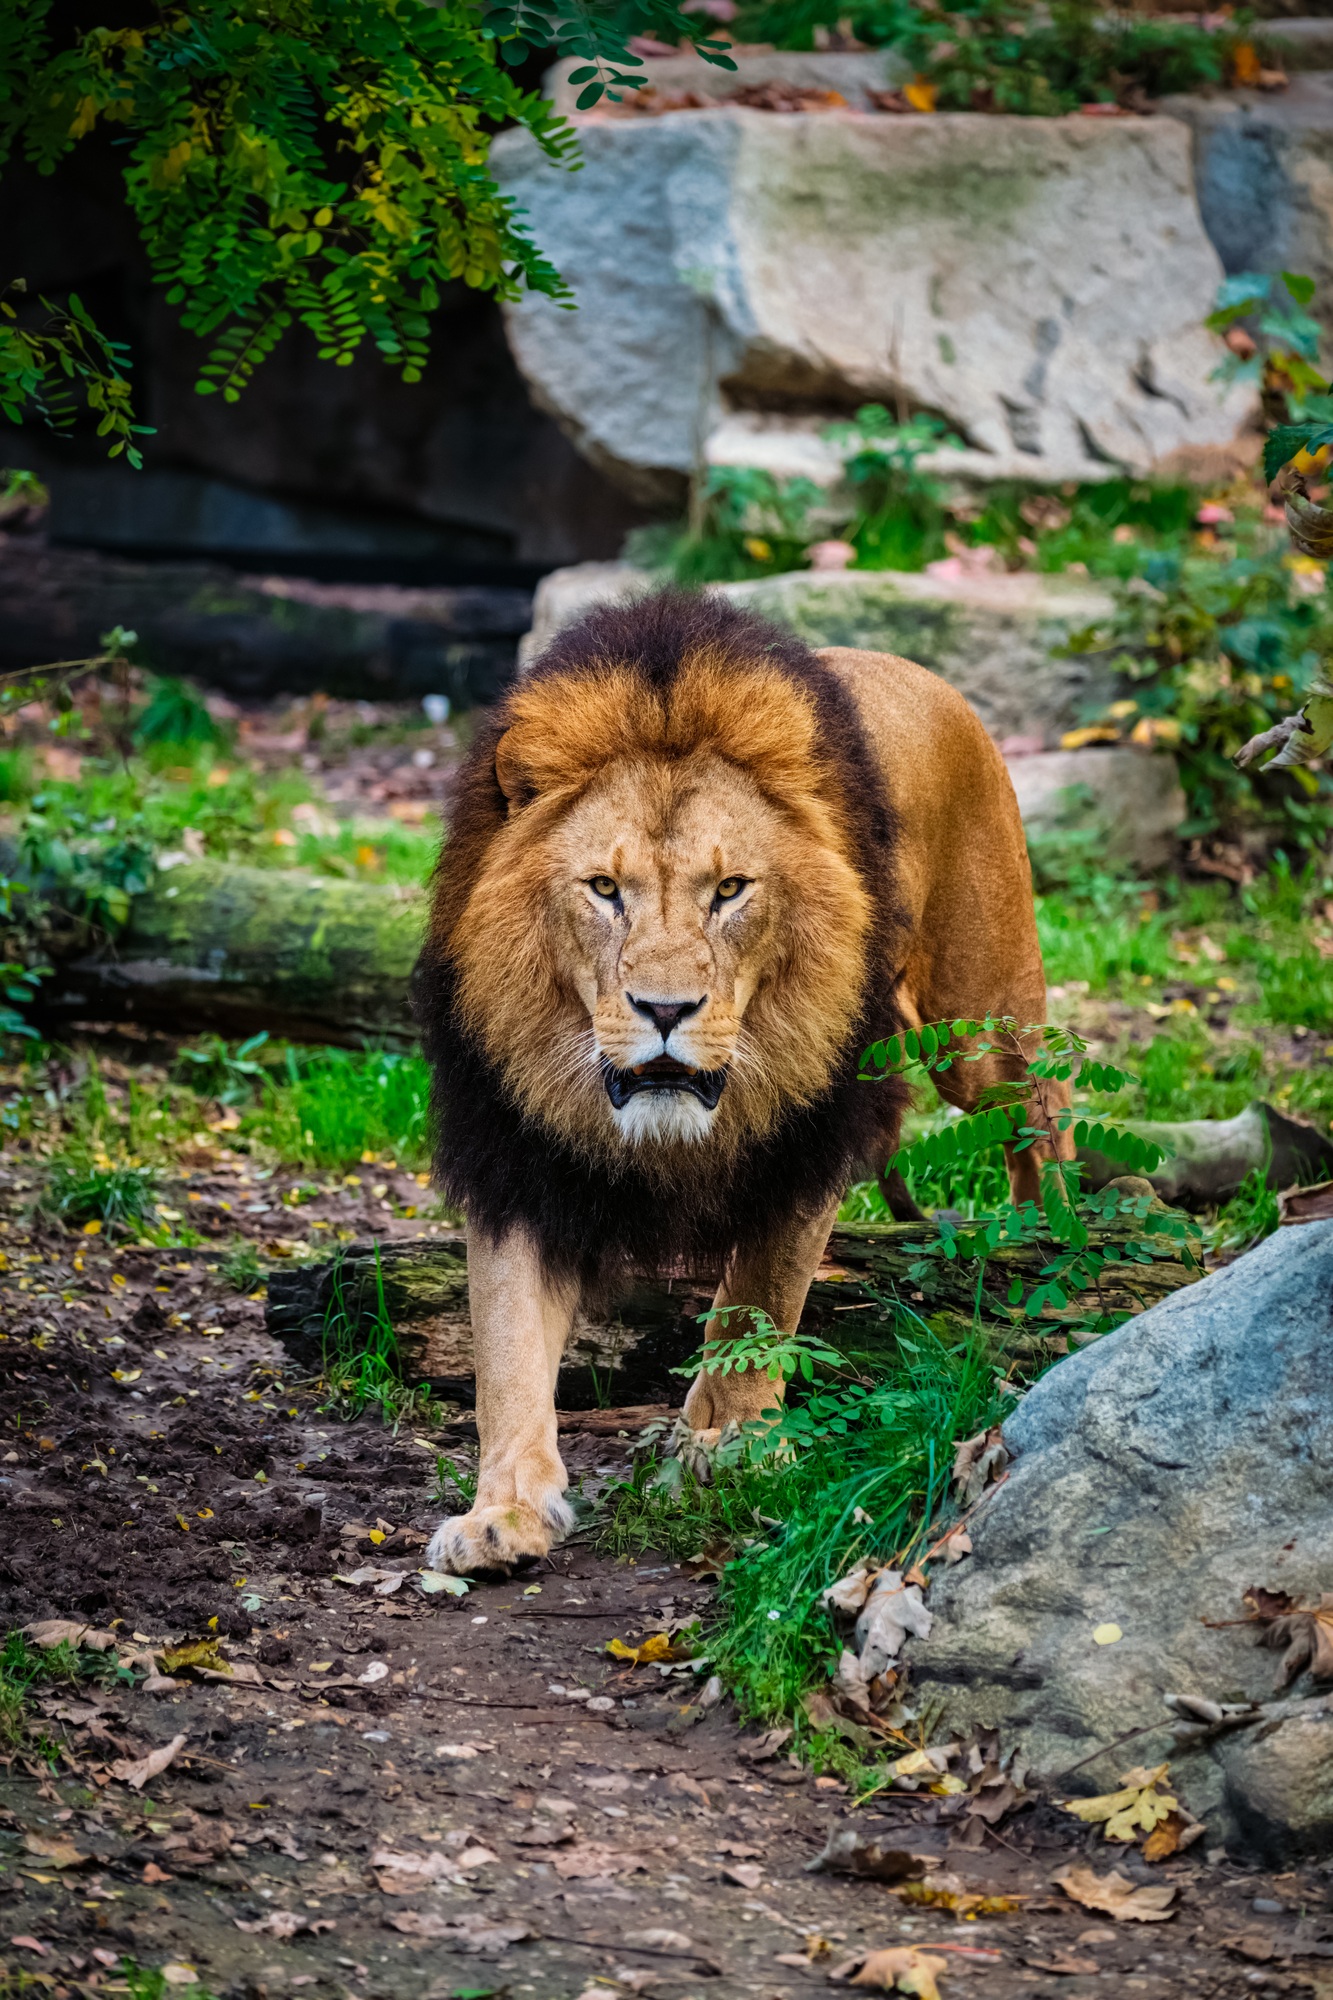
663 1073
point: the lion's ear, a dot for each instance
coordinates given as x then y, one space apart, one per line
510 775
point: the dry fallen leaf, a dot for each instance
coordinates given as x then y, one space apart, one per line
47 1632
1117 1895
590 1859
654 1649
1306 1633
977 1461
199 1654
1137 1808
475 1932
286 1924
745 1874
849 1852
949 1892
60 1853
902 1969
136 1772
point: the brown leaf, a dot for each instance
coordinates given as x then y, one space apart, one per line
475 1932
1117 1895
136 1771
59 1853
977 1461
152 1874
1306 1633
745 1874
850 1852
47 1632
286 1924
590 1859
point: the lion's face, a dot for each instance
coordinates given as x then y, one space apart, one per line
665 946
671 896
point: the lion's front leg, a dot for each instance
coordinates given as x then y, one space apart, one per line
521 1319
775 1279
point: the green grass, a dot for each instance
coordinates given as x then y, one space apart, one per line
798 1518
361 1362
329 1107
24 1667
121 1198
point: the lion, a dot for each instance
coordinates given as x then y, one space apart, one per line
694 869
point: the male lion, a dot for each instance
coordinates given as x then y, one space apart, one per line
694 869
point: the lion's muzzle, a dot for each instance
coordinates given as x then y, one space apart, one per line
663 1073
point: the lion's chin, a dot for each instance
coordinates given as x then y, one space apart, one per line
662 1118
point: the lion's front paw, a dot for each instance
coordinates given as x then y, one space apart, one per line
697 1449
492 1539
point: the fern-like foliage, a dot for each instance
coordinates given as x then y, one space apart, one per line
61 363
1013 1114
312 161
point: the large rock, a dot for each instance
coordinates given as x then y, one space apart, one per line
1264 171
1039 282
1159 1474
1135 795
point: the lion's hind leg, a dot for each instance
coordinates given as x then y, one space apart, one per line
521 1319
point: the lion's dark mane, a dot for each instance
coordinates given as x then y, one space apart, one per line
595 1219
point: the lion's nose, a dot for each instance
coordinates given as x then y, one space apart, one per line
665 1014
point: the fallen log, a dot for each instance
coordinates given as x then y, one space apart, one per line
325 1313
1208 1158
212 945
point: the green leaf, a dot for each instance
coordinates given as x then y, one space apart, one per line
1301 287
1285 440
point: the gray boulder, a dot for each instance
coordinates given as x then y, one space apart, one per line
1160 1474
1264 170
1134 795
1040 282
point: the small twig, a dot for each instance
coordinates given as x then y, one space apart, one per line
1148 1729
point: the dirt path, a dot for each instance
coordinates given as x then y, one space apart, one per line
400 1794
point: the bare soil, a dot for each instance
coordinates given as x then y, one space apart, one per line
161 1474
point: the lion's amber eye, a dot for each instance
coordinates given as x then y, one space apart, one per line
604 886
730 888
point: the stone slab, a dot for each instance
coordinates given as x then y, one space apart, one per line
1040 283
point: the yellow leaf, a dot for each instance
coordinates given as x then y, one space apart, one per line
920 94
756 547
182 1524
1106 1635
93 1228
377 1535
198 1653
1246 67
84 118
323 217
654 1649
1137 1806
1097 732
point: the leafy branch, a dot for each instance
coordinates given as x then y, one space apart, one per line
51 369
1066 1216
